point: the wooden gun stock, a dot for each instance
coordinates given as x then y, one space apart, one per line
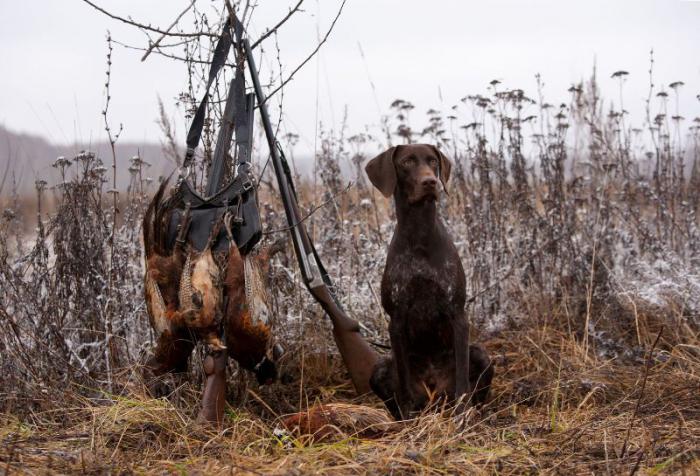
359 358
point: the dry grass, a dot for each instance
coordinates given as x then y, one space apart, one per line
581 252
554 409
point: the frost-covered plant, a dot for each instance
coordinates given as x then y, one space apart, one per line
564 215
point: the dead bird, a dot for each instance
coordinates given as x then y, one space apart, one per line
248 335
200 294
163 265
324 421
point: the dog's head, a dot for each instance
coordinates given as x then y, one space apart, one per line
413 170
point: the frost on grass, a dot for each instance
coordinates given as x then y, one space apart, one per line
565 218
664 282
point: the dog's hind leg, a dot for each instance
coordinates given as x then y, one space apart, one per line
480 374
384 383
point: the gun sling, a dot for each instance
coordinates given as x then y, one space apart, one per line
238 197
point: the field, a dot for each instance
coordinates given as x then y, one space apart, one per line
579 235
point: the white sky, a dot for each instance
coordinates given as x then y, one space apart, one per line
52 58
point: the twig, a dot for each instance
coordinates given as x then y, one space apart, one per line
279 24
636 465
641 393
160 52
308 58
263 403
314 210
510 271
146 27
172 25
109 310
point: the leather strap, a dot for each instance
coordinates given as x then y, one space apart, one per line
220 54
245 105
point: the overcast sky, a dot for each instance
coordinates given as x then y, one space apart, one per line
52 58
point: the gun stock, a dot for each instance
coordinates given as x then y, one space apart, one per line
359 358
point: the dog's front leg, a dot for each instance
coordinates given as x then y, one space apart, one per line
399 347
461 345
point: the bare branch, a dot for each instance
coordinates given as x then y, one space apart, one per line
313 53
172 25
647 364
313 210
159 51
129 21
270 31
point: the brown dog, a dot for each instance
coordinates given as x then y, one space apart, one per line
423 291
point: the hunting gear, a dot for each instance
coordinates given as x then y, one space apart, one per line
203 243
226 224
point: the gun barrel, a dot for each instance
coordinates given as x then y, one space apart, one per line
359 358
302 246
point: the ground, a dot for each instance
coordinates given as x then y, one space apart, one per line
553 410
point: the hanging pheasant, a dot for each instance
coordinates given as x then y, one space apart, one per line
200 294
163 266
247 324
182 286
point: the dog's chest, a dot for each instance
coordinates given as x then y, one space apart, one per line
421 283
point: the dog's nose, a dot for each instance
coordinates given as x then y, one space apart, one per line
429 182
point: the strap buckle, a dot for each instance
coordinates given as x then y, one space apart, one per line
238 218
248 178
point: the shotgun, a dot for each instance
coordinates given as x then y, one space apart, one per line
359 358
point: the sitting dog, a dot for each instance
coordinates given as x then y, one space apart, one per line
423 291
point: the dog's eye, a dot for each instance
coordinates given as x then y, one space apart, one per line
432 161
408 162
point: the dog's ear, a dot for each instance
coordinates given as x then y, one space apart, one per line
445 167
382 173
